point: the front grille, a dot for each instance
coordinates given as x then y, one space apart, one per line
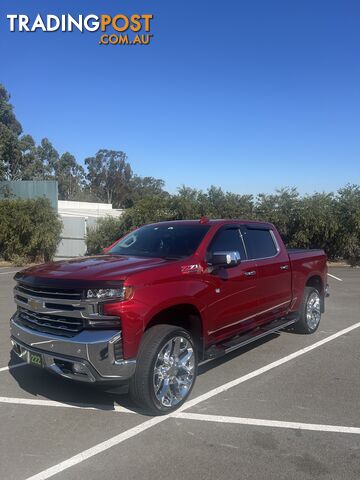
57 293
62 312
47 323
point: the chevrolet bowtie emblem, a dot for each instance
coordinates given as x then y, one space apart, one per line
34 304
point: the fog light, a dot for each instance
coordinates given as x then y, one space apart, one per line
79 368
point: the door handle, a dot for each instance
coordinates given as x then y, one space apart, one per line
250 273
284 267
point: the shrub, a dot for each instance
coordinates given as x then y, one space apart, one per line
19 261
106 231
321 220
28 229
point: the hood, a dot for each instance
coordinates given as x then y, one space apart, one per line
100 268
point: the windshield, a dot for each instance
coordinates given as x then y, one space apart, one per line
165 241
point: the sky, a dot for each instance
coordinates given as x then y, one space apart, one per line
246 95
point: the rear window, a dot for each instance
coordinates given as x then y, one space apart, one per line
165 241
259 243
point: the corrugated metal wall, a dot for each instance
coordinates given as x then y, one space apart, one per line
72 243
31 189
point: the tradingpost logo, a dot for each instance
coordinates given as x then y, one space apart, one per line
116 29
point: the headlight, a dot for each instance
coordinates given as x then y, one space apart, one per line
122 293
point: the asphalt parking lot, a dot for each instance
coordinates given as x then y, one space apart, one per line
284 408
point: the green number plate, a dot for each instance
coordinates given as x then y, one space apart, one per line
35 359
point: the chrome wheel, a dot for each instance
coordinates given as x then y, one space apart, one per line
313 310
174 371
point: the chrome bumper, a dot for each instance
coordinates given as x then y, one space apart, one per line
88 356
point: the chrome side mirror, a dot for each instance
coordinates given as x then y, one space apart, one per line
225 259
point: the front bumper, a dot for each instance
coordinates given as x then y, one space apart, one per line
90 356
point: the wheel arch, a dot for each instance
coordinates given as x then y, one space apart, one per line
316 281
184 315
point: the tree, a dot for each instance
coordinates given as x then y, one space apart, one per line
141 187
70 177
48 158
348 215
282 209
317 225
7 116
10 154
109 175
10 129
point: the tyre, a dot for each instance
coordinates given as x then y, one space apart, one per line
310 312
166 369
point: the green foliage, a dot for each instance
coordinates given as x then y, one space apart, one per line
7 116
321 220
109 175
28 229
70 177
348 214
105 233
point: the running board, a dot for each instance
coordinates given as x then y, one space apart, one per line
221 349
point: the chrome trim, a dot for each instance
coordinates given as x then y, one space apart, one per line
248 318
313 310
42 312
36 292
91 347
174 371
250 273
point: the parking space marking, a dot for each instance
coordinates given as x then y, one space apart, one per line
5 273
266 368
336 278
11 367
101 447
51 403
132 432
268 423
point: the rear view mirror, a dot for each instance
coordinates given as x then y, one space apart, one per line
225 259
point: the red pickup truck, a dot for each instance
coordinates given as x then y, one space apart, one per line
164 299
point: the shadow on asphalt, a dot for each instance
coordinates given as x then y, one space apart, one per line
38 382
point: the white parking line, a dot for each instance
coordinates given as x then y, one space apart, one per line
333 276
268 423
266 368
132 432
50 403
5 369
6 273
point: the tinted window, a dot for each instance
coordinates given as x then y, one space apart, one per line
228 240
259 243
174 241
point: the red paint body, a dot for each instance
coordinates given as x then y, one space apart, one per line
228 302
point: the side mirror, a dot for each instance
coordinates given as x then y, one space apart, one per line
225 259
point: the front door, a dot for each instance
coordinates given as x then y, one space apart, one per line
232 299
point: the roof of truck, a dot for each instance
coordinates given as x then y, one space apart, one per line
207 221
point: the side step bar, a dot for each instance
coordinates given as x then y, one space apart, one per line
221 349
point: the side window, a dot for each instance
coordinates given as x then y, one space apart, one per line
259 243
228 240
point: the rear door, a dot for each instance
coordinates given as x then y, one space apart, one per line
274 291
232 299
